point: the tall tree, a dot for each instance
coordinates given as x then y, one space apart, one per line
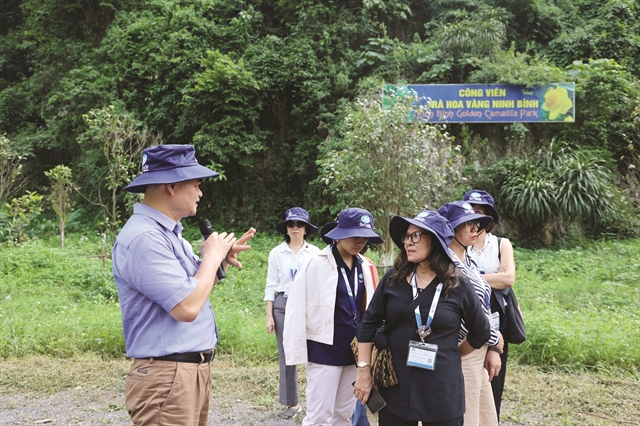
390 164
61 179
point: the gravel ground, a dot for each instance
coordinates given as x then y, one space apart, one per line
88 391
80 407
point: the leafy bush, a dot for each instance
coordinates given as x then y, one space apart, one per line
21 212
560 185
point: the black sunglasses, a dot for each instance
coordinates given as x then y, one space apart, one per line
295 224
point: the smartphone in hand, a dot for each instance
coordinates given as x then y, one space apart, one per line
375 402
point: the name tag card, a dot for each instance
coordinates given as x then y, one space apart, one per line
422 355
494 320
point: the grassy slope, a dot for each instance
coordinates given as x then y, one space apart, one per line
581 306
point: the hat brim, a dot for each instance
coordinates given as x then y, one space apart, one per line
282 226
343 233
399 225
161 177
326 228
490 207
484 220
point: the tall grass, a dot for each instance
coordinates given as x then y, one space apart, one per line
57 302
581 306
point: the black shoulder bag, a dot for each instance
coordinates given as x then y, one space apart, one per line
516 331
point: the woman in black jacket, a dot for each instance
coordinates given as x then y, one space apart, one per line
432 389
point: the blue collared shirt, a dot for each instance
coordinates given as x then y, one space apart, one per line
154 270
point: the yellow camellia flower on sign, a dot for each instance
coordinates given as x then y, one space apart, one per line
568 119
556 102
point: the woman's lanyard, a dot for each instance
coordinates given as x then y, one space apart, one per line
425 330
352 296
486 290
293 269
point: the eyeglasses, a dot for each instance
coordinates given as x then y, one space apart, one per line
472 223
415 237
295 224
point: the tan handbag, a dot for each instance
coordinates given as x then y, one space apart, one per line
382 369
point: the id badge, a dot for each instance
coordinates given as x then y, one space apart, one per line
422 355
494 320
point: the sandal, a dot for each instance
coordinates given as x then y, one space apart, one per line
291 412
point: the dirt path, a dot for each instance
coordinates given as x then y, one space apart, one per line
89 392
81 407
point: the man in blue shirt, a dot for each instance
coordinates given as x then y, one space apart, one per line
168 322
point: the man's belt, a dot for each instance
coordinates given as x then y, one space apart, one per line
192 357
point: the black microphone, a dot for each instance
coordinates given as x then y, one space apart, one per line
206 230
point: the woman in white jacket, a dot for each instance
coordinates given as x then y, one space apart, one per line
325 307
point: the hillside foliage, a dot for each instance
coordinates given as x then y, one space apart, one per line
263 88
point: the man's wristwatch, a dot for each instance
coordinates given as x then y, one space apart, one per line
362 364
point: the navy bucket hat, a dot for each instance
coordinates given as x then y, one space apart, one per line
428 220
458 212
354 222
477 196
163 164
298 214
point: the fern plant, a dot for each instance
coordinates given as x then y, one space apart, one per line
558 183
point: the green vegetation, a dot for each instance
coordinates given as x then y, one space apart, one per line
400 168
580 305
263 89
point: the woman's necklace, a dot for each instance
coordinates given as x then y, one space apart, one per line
479 251
424 281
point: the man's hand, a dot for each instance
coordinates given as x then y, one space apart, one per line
239 246
217 246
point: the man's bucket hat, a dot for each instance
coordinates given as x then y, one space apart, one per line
298 214
458 212
427 220
354 222
477 196
162 164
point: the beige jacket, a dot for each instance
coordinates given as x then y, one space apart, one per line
311 305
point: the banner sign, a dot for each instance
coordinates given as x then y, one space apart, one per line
489 103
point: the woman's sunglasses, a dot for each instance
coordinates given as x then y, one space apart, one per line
295 224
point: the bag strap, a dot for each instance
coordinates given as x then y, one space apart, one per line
412 306
499 245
